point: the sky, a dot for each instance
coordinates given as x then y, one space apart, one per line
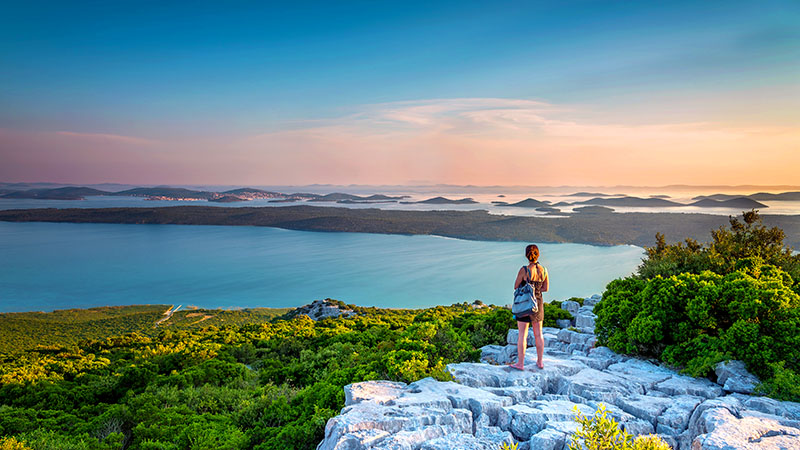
584 93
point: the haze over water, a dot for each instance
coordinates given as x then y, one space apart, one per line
48 266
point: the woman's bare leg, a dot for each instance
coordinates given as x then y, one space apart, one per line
537 335
522 343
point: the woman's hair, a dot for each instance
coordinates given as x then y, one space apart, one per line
532 253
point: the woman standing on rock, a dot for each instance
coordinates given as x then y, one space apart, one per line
536 275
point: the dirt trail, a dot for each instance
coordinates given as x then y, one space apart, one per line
167 315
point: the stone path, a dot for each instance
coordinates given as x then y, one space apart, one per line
489 403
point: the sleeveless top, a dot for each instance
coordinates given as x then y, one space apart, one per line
537 284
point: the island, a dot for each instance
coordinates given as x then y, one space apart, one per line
530 203
613 229
740 203
447 201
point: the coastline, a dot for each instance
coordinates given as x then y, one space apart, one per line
602 229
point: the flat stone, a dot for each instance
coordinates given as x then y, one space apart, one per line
645 407
596 385
682 385
767 405
518 394
645 373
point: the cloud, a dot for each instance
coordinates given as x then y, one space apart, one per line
102 137
481 141
495 141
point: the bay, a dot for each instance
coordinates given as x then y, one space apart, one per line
47 266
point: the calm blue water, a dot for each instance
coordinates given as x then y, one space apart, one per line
46 266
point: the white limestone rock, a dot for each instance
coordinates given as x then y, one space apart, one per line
513 337
675 419
585 318
322 309
593 384
723 431
570 306
528 420
645 407
645 373
734 377
555 436
683 385
591 301
469 442
563 323
373 391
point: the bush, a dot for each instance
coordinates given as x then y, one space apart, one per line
602 433
746 308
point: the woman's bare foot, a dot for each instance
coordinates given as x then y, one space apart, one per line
540 365
517 366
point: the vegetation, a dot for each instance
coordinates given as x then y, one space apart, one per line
553 312
610 229
602 433
68 327
262 386
693 305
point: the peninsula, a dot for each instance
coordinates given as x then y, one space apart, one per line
586 228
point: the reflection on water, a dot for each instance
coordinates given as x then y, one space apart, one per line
49 266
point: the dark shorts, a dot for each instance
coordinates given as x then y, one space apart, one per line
525 319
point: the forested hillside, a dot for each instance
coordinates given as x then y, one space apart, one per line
265 386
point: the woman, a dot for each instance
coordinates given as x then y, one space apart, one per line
541 282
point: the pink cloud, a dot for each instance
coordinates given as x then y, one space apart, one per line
460 141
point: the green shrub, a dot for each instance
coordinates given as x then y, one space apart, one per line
745 308
553 312
600 432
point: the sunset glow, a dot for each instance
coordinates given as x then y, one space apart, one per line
458 94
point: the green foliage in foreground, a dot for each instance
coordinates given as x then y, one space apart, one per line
602 433
693 306
265 386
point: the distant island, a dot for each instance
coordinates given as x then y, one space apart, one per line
761 196
172 193
447 201
740 202
612 229
631 202
15 191
591 194
530 203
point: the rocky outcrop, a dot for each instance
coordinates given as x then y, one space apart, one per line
322 309
489 403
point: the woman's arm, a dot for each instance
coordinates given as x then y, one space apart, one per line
546 281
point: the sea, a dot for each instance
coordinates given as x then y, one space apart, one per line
49 266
